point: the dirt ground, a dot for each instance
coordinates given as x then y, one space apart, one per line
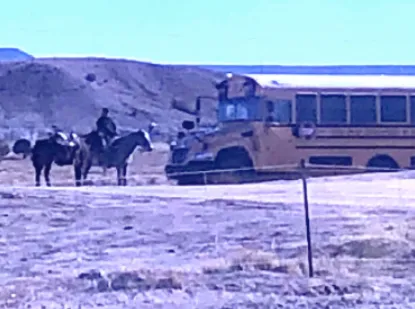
157 245
146 168
233 246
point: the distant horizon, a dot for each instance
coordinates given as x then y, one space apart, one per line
18 54
103 56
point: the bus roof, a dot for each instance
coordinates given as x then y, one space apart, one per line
334 81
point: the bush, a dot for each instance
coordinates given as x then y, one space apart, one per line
90 77
22 146
4 149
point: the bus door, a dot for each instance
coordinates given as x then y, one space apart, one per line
277 143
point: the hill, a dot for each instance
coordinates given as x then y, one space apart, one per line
70 92
14 54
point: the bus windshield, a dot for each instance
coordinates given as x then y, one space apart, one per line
239 109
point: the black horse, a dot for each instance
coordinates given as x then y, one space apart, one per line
117 154
60 148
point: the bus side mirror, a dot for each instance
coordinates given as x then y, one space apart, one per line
188 125
270 111
198 105
197 110
270 107
223 89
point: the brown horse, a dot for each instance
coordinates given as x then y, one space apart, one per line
116 155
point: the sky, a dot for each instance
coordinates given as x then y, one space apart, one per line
290 32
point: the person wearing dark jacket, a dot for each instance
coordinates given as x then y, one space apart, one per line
106 126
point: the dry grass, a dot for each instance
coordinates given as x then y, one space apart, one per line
207 246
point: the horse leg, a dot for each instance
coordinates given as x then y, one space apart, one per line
46 172
124 175
119 175
87 167
38 172
78 174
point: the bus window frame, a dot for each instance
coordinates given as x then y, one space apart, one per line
347 106
377 111
294 104
410 113
407 107
291 94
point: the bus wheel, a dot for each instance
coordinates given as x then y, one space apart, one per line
239 164
382 163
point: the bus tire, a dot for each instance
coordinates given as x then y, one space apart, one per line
233 158
382 163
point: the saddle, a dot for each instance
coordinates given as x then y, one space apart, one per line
108 151
106 140
64 139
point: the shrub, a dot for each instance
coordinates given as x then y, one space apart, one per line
4 149
90 77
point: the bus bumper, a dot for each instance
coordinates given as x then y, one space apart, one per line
192 168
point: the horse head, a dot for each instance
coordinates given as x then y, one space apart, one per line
143 139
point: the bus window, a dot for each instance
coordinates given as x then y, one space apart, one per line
280 111
393 108
362 109
239 109
412 101
333 109
306 107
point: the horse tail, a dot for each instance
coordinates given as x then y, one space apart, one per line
22 146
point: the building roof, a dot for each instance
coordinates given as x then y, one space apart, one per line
334 81
314 69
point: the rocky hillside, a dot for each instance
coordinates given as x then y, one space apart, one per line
70 92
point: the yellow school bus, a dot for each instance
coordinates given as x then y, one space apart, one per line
268 124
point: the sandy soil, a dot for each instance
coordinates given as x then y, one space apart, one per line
164 246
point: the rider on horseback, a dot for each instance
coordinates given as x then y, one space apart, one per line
106 127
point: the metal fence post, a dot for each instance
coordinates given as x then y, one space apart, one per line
307 218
